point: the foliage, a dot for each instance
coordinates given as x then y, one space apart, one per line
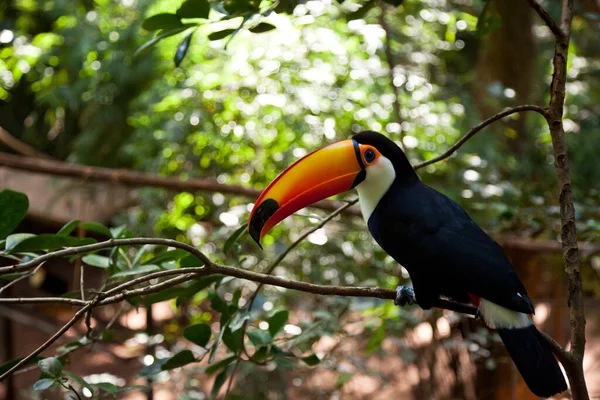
238 90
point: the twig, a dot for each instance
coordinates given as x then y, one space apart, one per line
9 284
100 246
42 300
132 179
479 127
49 342
568 233
547 19
19 146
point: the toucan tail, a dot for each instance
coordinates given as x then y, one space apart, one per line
534 360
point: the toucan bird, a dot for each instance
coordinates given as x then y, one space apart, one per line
444 251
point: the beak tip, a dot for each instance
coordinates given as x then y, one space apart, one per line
256 238
259 218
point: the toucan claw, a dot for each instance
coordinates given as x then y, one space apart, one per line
405 296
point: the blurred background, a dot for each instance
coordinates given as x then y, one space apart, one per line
236 111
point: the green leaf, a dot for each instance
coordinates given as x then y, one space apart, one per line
238 320
194 9
233 339
221 34
191 261
233 238
13 208
8 365
44 384
259 337
139 254
180 359
215 346
68 228
277 322
197 285
152 369
219 365
96 227
96 260
160 37
163 295
120 232
217 303
284 362
311 360
162 21
167 256
182 49
219 381
51 367
13 240
74 344
199 334
112 389
49 242
262 27
80 381
141 269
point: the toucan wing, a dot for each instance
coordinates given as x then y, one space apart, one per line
439 244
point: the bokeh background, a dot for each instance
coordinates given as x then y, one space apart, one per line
238 110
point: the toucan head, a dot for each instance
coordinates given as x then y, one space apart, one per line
368 161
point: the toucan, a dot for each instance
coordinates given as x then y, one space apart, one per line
446 254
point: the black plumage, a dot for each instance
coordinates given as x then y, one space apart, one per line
447 254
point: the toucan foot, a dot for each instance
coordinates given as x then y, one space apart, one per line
405 296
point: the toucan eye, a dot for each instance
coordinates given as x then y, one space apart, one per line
369 156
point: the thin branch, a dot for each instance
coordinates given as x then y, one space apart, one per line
19 146
568 232
104 245
563 356
132 179
547 19
479 127
9 284
42 300
50 341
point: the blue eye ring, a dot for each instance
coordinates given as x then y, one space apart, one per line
369 156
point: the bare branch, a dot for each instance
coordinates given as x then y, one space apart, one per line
133 179
547 19
104 245
479 127
42 300
19 146
49 342
568 234
9 284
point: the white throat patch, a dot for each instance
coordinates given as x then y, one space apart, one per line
380 176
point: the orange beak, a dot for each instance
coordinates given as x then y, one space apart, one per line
323 173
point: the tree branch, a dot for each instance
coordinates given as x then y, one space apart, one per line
19 146
133 179
479 127
121 292
568 234
547 19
